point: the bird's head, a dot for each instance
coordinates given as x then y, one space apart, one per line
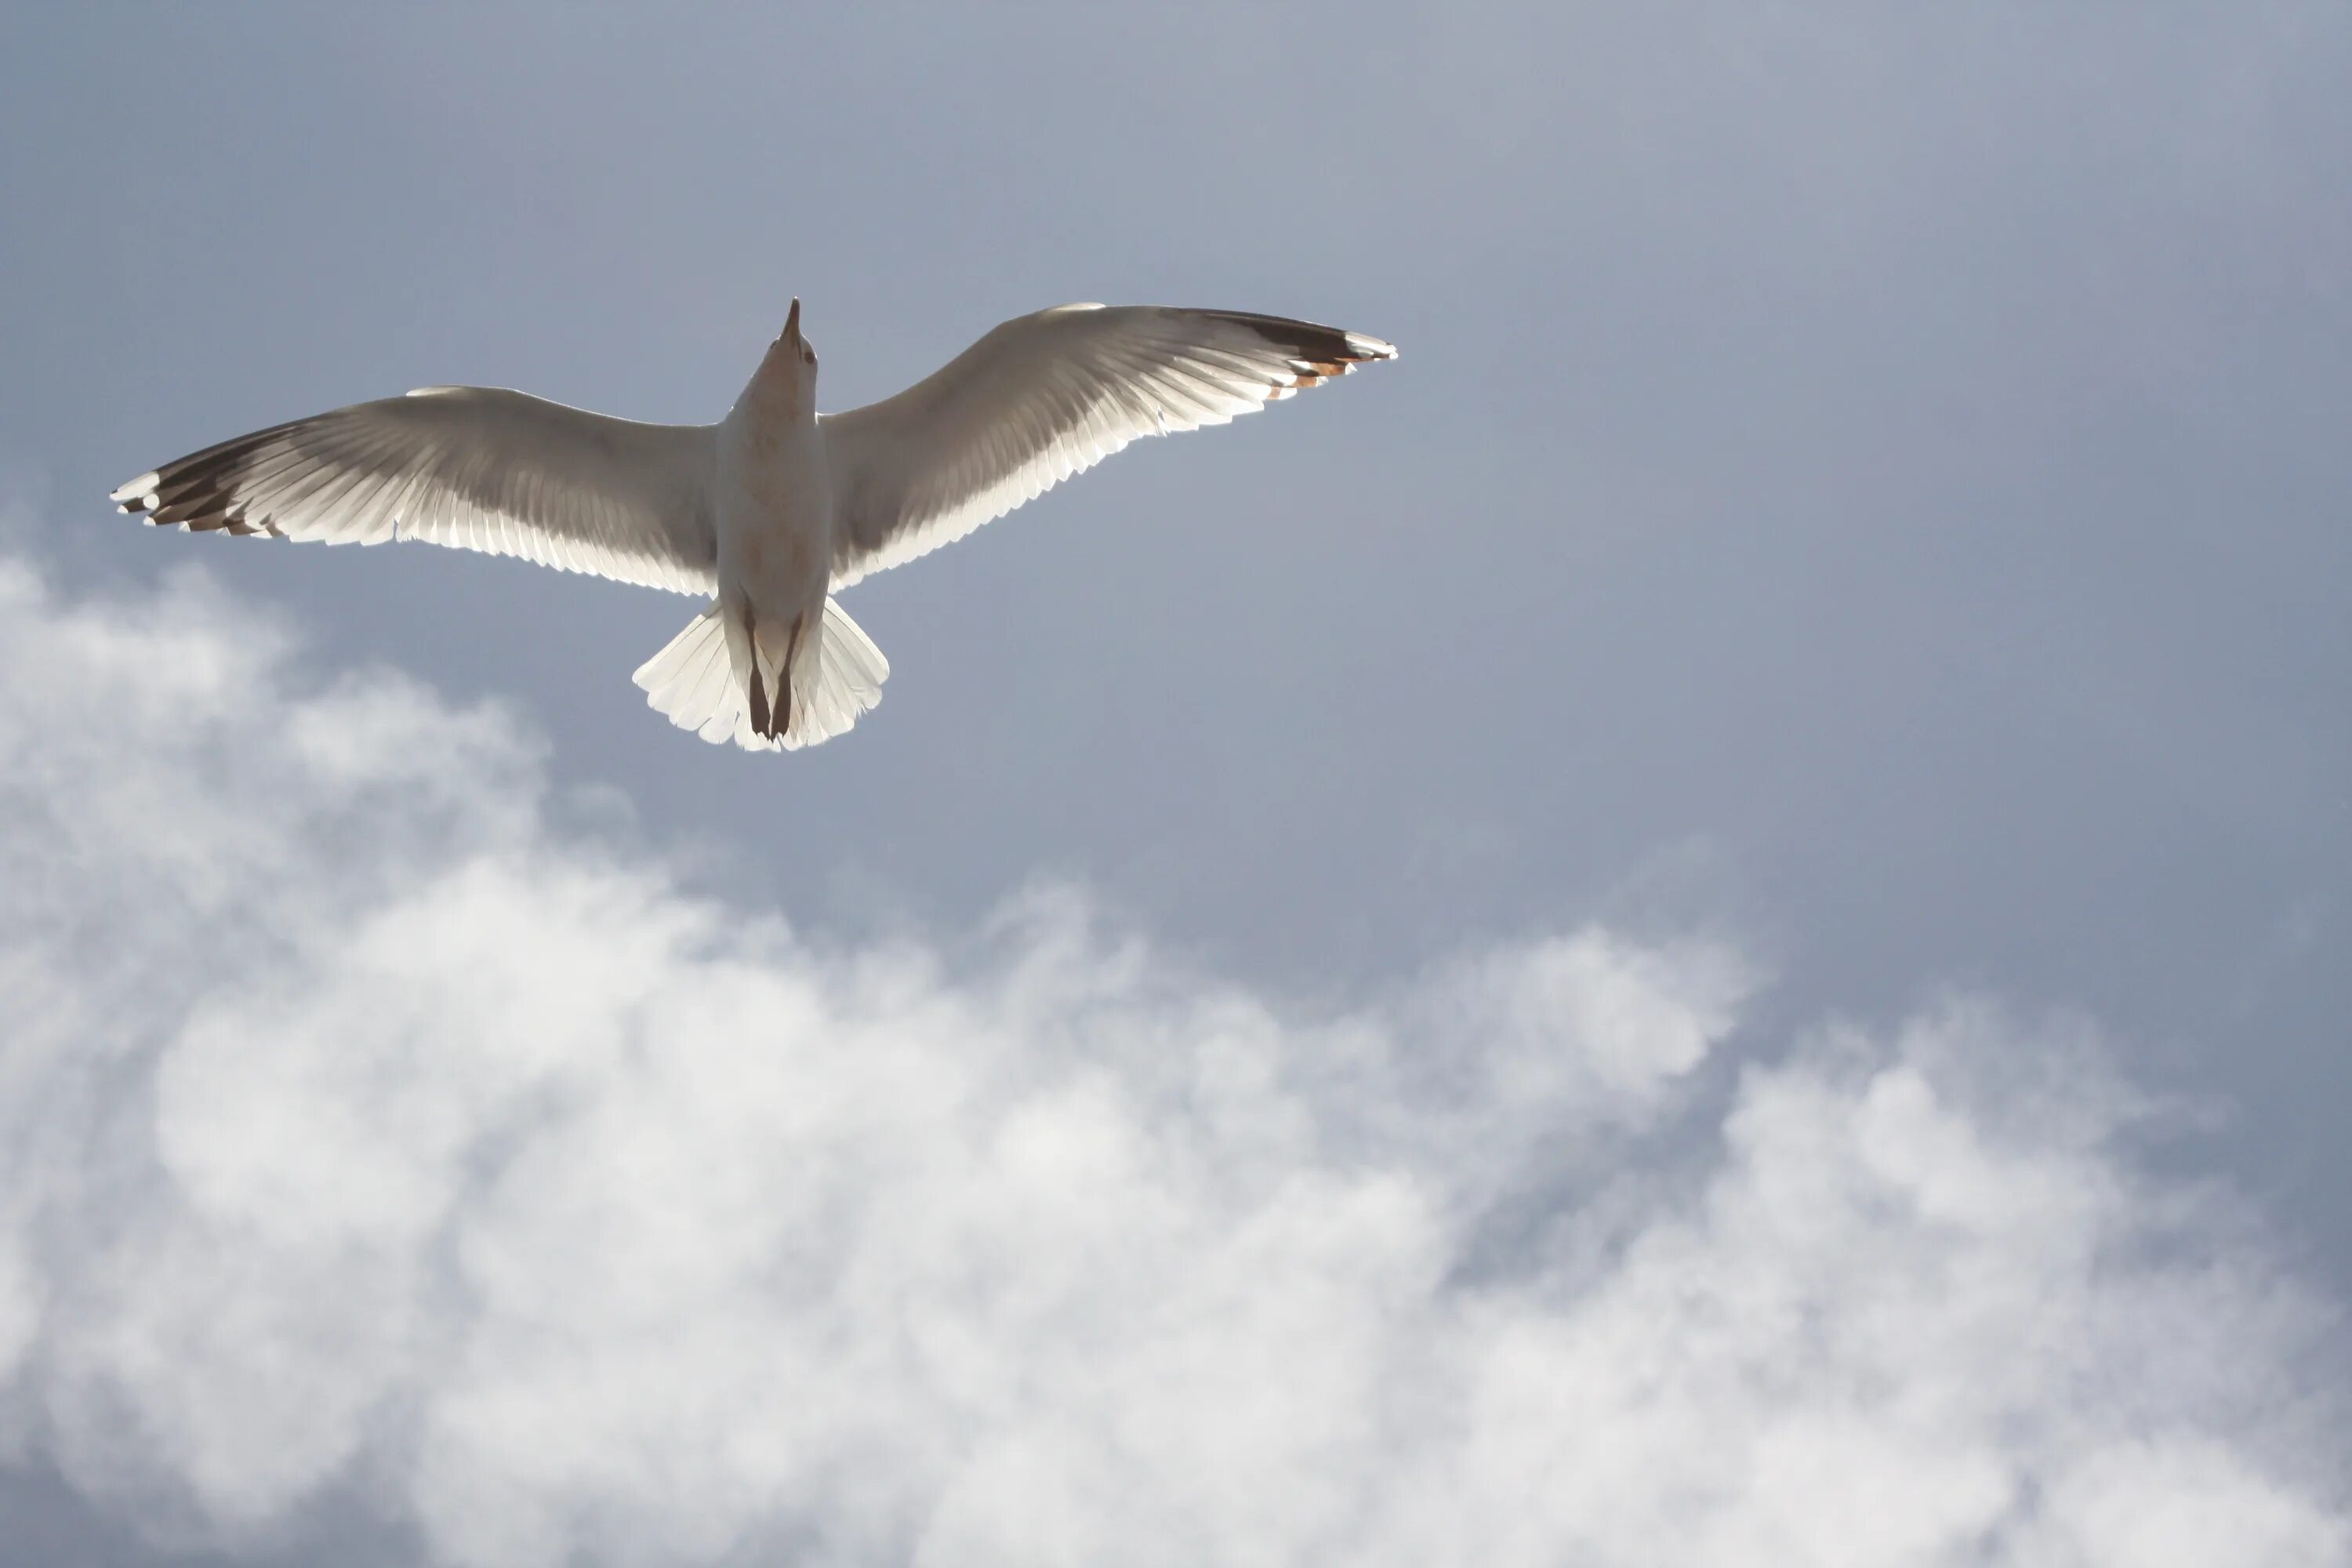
787 378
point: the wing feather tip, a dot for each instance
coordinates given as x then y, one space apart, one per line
137 494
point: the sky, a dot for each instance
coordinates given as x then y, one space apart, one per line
1704 922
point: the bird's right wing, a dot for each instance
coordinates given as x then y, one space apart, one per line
477 468
1044 397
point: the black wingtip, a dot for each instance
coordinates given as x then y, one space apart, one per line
1323 351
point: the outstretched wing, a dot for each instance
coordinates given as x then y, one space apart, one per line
477 468
1045 396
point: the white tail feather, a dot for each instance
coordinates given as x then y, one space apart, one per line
847 679
701 681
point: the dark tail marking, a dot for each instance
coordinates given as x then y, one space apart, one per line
766 720
759 714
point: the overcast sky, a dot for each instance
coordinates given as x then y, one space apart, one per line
1724 890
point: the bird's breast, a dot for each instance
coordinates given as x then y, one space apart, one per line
775 514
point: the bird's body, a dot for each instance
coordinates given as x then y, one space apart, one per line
770 512
773 520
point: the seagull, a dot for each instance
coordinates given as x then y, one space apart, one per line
770 512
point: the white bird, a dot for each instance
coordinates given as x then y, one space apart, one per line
768 513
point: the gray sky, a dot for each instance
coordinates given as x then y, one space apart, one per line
1864 491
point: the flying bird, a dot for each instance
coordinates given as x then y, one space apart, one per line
768 513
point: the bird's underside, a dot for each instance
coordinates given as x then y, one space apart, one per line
684 506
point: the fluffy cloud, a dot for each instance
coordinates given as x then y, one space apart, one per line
362 1129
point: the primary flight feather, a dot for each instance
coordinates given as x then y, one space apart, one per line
771 510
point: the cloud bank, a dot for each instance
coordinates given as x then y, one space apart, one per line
368 1127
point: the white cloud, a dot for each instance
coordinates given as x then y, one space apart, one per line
363 1130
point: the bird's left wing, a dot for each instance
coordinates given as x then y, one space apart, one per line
477 468
1045 396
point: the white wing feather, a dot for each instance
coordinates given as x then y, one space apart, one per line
476 467
1045 396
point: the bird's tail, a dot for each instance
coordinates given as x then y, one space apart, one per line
720 686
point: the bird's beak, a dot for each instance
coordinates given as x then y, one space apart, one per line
792 321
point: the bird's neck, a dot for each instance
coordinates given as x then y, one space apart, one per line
773 406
